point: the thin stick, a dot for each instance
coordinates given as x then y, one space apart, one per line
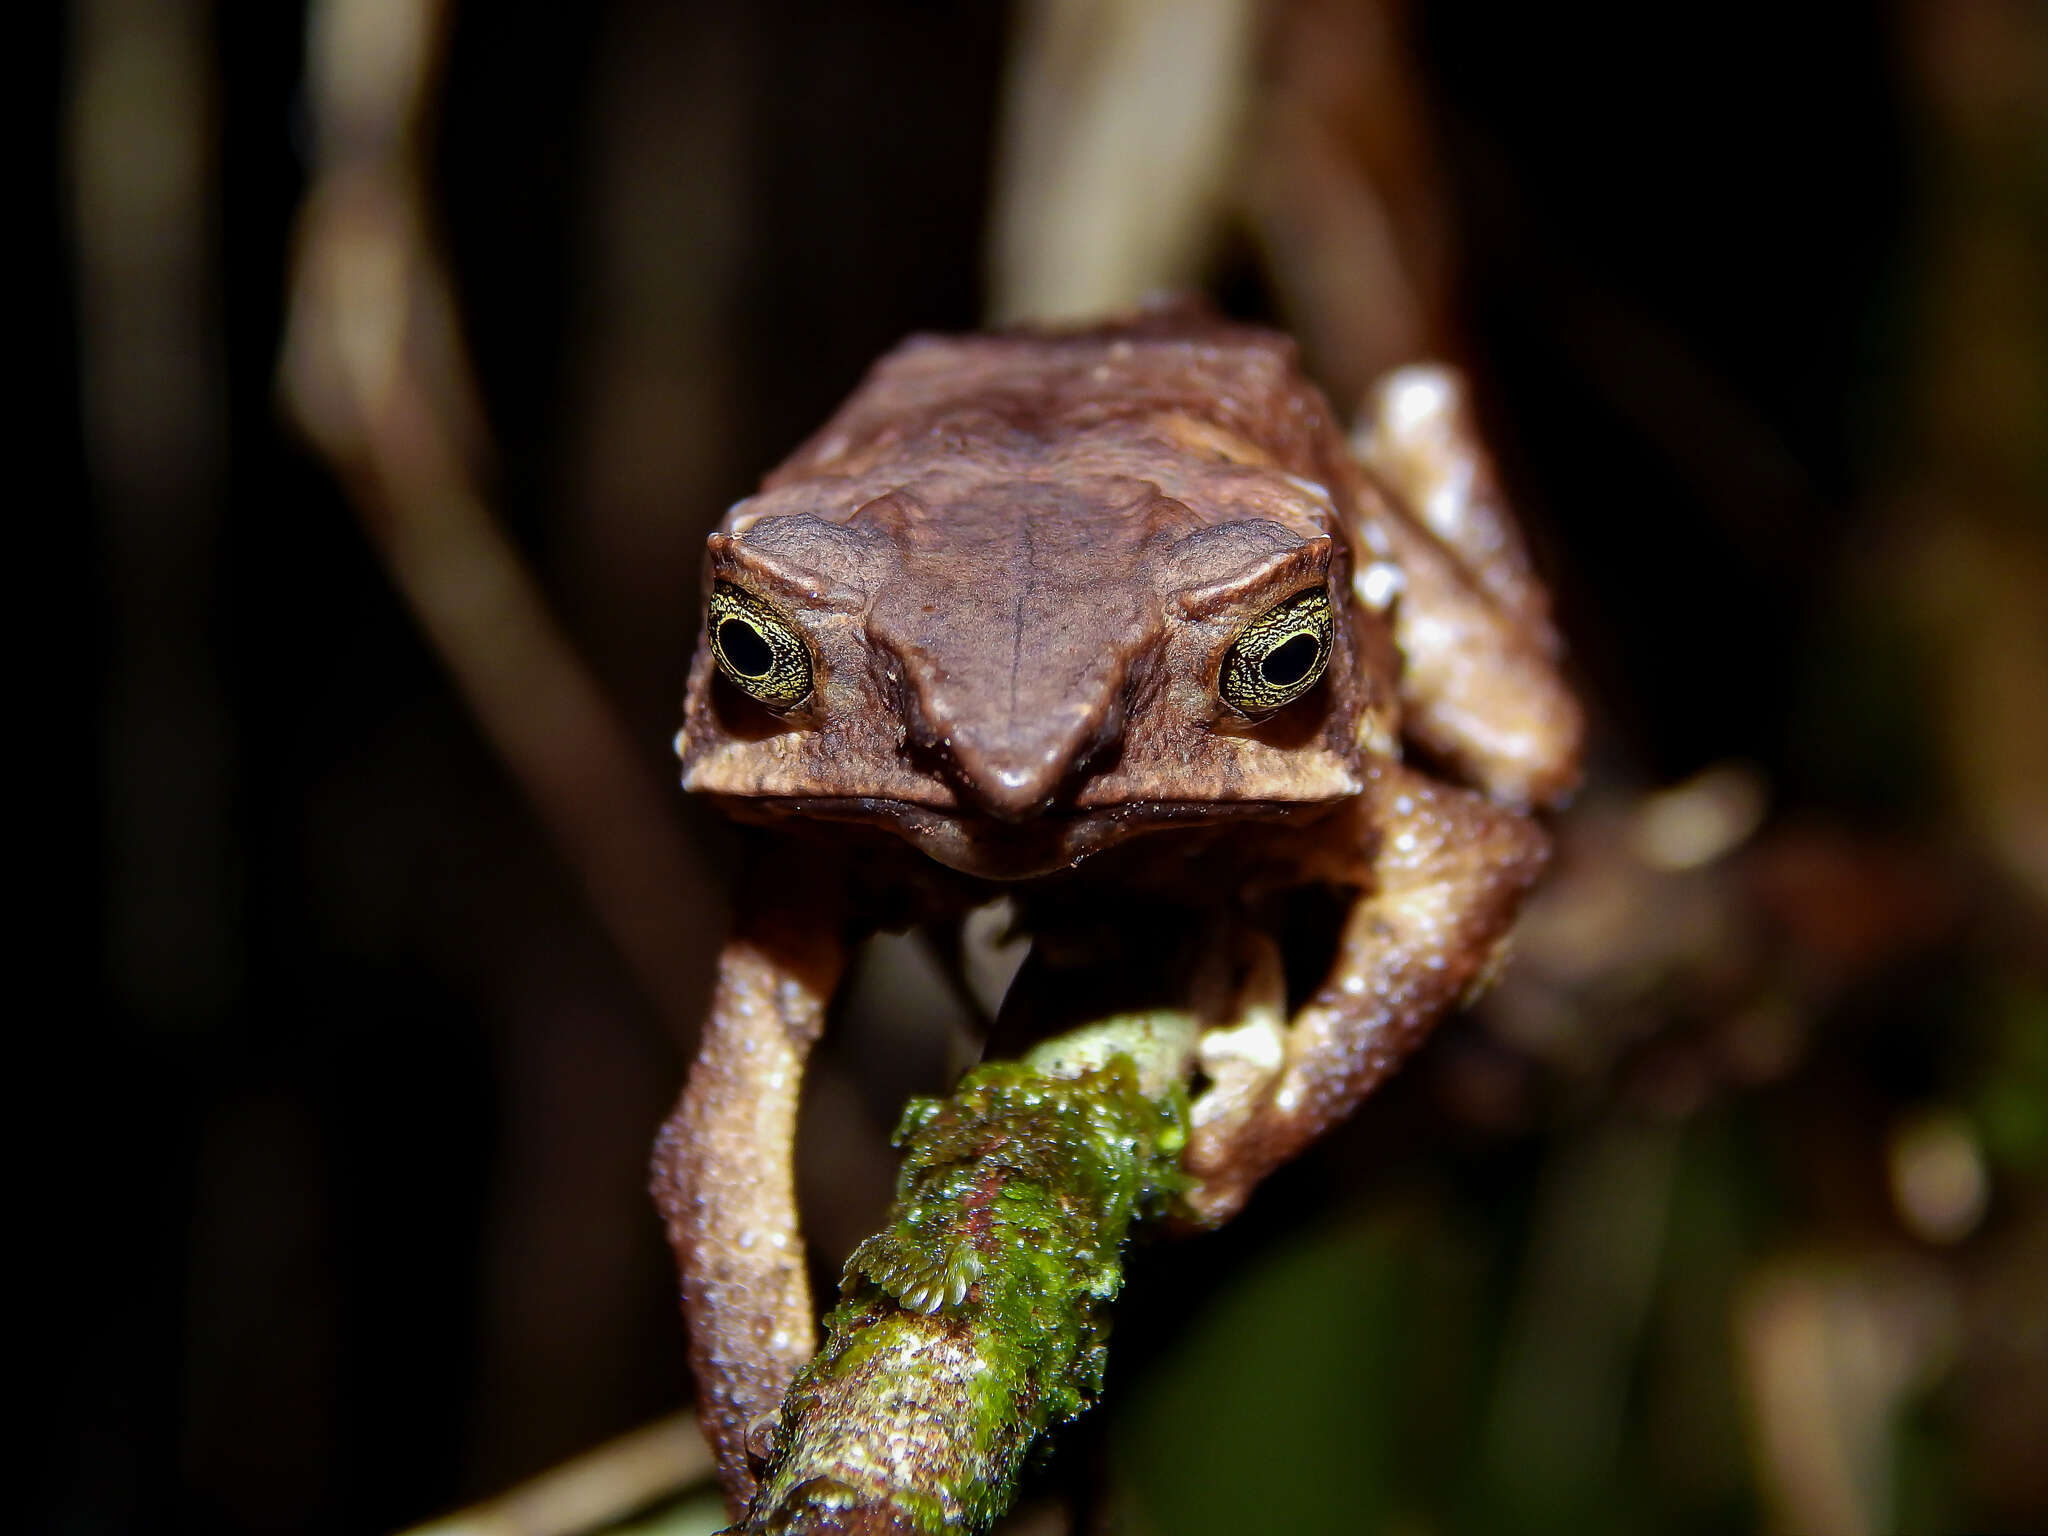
595 1490
374 371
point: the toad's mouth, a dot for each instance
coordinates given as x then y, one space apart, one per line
997 849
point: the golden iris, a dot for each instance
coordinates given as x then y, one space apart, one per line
757 648
1279 655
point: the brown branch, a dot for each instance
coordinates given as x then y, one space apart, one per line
373 370
593 1491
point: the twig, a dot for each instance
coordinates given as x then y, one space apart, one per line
1120 129
595 1490
373 370
977 1318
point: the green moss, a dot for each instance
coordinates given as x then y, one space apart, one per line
977 1319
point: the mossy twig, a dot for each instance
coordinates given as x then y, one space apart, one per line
977 1318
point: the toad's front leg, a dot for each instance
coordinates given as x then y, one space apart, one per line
724 1174
1439 873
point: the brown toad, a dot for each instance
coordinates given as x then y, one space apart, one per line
1092 617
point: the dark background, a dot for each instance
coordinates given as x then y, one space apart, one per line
338 1194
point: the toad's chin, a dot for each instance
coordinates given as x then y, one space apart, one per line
992 849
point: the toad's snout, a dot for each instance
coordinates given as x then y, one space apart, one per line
1020 769
1012 704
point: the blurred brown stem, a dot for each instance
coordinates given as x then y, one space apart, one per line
374 372
595 1490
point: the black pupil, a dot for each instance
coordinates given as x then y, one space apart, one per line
1288 663
745 651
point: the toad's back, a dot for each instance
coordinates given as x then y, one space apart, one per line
1025 393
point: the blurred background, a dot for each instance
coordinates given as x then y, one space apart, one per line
404 355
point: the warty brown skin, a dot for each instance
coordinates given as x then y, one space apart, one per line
1017 563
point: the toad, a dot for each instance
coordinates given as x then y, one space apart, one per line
1086 617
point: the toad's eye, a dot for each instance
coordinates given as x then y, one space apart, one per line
758 649
1279 655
